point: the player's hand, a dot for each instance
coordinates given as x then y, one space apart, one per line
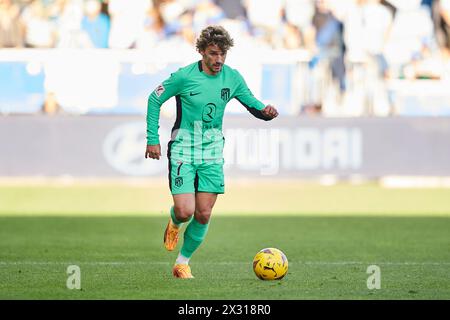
270 112
153 151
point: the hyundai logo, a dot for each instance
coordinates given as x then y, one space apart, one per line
124 150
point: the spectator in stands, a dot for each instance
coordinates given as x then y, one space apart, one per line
236 21
292 38
392 7
96 24
442 25
40 31
171 12
326 77
428 4
11 27
233 9
207 13
68 15
186 32
299 14
239 30
154 29
367 28
266 20
127 21
180 33
329 42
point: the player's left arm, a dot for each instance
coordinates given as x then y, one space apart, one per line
270 112
254 106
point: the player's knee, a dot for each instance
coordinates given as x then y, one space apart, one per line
183 213
203 215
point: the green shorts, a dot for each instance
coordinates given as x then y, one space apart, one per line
192 178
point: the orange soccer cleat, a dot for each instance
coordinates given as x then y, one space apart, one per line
182 271
171 235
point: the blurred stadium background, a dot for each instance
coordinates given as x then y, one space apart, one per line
362 87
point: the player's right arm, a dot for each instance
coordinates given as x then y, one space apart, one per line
169 88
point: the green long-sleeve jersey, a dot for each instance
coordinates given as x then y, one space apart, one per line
200 99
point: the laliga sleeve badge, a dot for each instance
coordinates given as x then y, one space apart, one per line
159 90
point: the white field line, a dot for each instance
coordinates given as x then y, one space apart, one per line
131 263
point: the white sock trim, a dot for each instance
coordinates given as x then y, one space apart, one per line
182 259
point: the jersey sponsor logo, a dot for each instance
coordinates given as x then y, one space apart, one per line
160 90
225 94
194 94
209 112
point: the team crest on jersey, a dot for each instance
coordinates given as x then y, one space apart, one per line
178 182
225 94
159 90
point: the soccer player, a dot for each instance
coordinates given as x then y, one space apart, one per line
202 90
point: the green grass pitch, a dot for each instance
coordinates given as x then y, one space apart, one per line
121 256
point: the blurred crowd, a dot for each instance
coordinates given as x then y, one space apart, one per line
399 38
357 25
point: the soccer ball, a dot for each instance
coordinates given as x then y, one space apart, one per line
270 264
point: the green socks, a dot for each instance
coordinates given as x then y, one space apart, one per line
193 236
174 218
